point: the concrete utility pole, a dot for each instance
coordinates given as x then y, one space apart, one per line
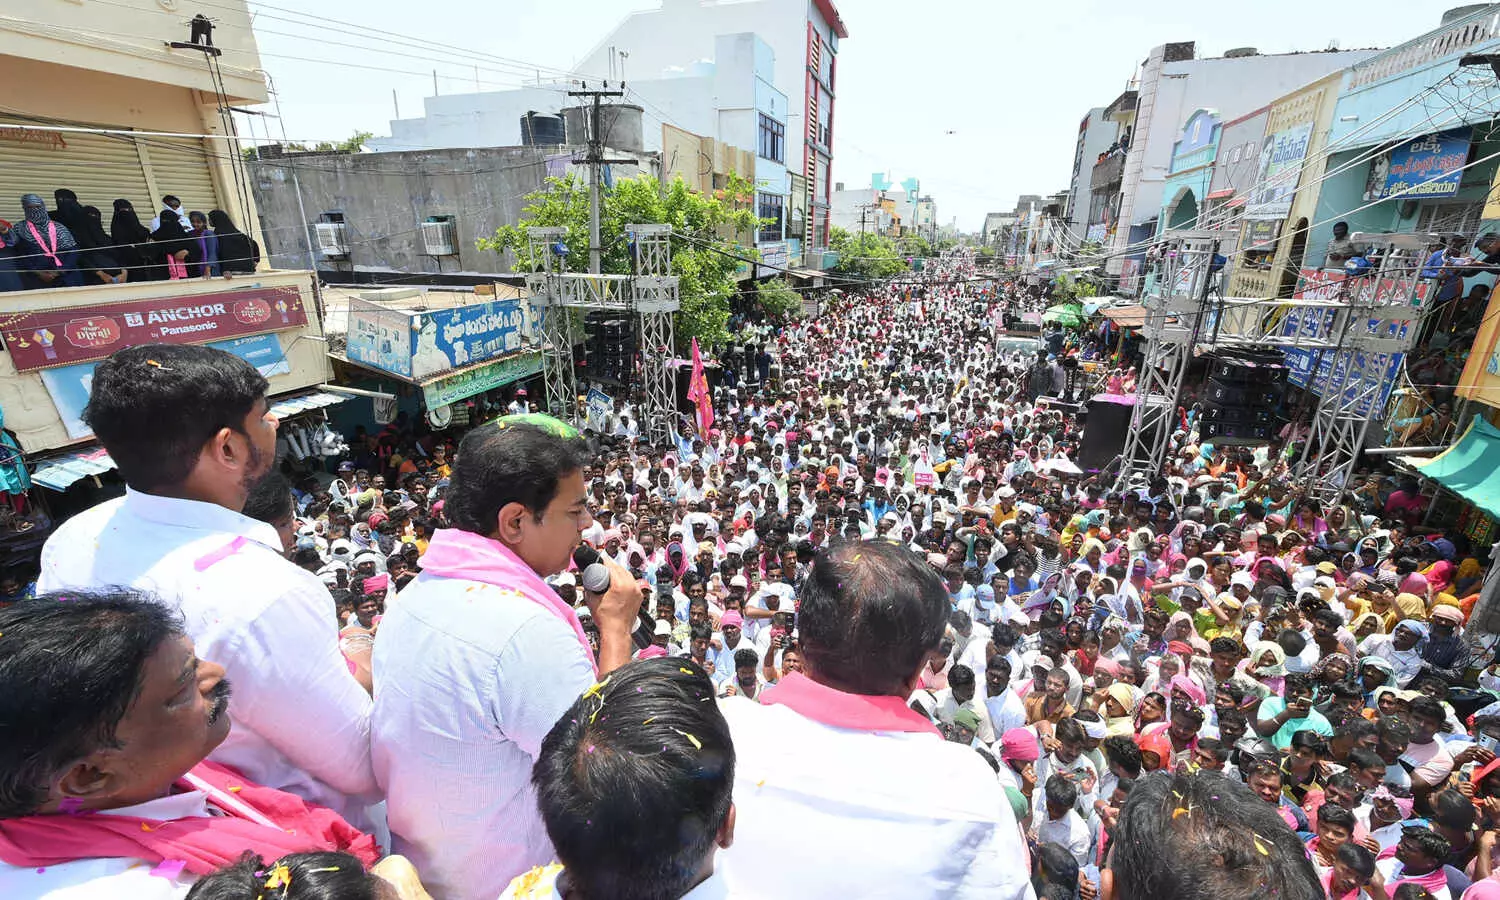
594 160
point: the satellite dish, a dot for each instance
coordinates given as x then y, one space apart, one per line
441 417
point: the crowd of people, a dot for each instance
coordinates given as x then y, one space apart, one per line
869 631
69 246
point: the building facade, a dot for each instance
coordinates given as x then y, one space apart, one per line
1095 134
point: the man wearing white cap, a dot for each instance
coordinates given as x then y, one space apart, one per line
838 751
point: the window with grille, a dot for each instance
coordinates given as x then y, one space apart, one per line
773 209
1449 218
772 139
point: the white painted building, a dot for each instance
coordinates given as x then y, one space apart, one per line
1173 83
803 35
1095 133
731 97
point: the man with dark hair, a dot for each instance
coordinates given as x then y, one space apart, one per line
480 657
107 715
1425 758
1204 837
915 815
189 428
637 802
1419 859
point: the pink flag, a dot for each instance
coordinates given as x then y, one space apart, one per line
698 393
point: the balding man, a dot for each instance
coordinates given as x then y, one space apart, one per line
897 811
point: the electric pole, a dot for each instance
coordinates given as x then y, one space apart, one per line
594 160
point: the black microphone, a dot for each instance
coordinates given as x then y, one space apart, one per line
593 575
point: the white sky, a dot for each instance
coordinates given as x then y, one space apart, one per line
1010 79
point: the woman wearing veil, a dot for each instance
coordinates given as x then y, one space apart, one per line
47 251
131 244
178 245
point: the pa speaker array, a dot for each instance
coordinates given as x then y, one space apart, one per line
1242 397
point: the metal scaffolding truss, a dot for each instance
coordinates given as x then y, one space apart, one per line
1174 311
1371 320
650 296
1351 334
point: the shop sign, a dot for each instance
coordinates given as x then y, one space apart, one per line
69 386
1260 235
1428 167
60 337
463 385
33 137
446 339
1281 158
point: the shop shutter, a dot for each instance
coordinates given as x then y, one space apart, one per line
181 167
98 168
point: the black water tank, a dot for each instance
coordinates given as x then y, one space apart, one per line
542 129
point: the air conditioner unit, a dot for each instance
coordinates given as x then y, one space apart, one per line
333 238
439 237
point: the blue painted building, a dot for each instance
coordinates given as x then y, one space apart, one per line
1190 171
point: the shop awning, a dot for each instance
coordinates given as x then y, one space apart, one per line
1220 194
1126 316
291 406
1470 468
60 472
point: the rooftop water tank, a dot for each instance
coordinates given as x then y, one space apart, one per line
542 129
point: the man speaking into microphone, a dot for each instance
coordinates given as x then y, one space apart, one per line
478 657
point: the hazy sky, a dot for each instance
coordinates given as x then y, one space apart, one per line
980 99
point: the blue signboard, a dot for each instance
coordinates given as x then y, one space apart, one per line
452 338
70 386
380 338
1435 162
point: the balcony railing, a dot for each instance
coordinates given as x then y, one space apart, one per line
1110 171
1453 38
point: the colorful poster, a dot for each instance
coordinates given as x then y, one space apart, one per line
1281 158
58 337
446 339
70 386
1318 371
379 337
1429 167
477 380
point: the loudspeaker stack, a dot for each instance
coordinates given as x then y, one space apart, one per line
1242 397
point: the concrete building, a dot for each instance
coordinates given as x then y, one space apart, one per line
866 209
804 35
1095 133
729 97
85 77
370 216
1172 83
1236 167
1188 175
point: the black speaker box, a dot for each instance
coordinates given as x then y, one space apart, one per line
1103 434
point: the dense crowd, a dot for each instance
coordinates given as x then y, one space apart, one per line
868 629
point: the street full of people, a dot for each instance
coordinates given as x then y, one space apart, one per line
861 627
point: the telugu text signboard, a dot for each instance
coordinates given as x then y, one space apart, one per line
1280 167
59 337
1428 167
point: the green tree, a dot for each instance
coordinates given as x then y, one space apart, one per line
777 297
865 255
703 260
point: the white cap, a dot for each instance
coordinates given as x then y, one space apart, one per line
341 547
663 627
739 581
565 579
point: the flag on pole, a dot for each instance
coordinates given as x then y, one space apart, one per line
699 394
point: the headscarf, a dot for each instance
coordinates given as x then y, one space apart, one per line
1414 625
1321 665
1190 687
1259 649
70 214
126 227
1411 607
35 209
1383 664
1124 695
1360 619
221 223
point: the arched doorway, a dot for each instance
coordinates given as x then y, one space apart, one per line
1184 210
1293 267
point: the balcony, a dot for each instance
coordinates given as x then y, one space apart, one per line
1110 172
1452 39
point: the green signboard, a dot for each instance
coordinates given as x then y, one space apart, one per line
462 385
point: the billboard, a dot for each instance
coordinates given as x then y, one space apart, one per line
1434 162
421 344
60 337
1321 370
1281 156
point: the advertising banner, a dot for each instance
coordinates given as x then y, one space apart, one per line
1434 162
380 337
466 384
1281 158
70 386
61 337
601 406
1321 371
452 338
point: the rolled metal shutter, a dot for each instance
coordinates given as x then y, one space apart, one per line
98 168
181 167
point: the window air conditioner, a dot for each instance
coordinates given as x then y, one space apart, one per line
333 238
439 237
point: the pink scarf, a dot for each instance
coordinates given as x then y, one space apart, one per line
1433 881
49 252
261 820
861 712
473 557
